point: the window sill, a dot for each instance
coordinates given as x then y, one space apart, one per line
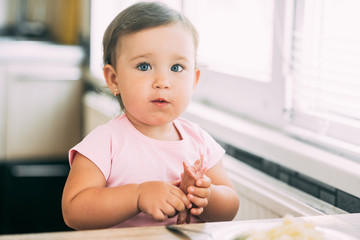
279 148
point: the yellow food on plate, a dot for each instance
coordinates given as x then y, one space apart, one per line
290 229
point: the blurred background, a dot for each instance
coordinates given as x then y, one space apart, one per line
43 52
285 72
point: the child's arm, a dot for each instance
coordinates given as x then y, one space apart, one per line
214 195
87 203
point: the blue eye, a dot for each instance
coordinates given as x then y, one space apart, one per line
143 67
177 68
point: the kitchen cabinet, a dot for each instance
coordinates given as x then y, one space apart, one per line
40 120
31 196
2 112
40 99
43 116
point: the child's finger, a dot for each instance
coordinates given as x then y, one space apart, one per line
196 211
158 215
198 201
204 182
179 203
180 195
168 210
199 192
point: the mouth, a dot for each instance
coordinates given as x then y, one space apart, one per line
160 102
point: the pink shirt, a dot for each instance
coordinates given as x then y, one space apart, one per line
124 155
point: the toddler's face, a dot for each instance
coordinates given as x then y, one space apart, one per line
156 73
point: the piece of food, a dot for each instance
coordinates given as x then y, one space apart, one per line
290 229
190 175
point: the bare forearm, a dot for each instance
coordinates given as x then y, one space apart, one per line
101 207
223 204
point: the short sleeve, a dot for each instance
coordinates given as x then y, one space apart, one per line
96 146
214 152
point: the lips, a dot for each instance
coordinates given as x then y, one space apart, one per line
160 102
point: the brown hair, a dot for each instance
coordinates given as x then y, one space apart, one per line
140 16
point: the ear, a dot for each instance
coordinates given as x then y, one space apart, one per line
110 77
196 77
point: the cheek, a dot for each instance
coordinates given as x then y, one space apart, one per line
134 94
131 94
186 93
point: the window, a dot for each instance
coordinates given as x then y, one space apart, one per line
235 36
242 45
325 72
305 76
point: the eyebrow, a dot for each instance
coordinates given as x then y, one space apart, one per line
141 56
147 55
179 57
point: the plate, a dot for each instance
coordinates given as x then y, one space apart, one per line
230 233
330 234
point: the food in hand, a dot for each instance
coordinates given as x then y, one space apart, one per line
190 175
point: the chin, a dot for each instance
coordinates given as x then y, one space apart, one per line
161 120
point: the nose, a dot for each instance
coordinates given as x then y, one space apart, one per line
161 81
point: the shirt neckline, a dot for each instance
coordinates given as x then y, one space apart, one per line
155 142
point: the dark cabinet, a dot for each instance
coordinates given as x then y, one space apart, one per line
31 196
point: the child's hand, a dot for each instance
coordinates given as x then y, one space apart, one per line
161 199
199 194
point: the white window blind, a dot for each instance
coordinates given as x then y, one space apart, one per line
325 69
236 36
